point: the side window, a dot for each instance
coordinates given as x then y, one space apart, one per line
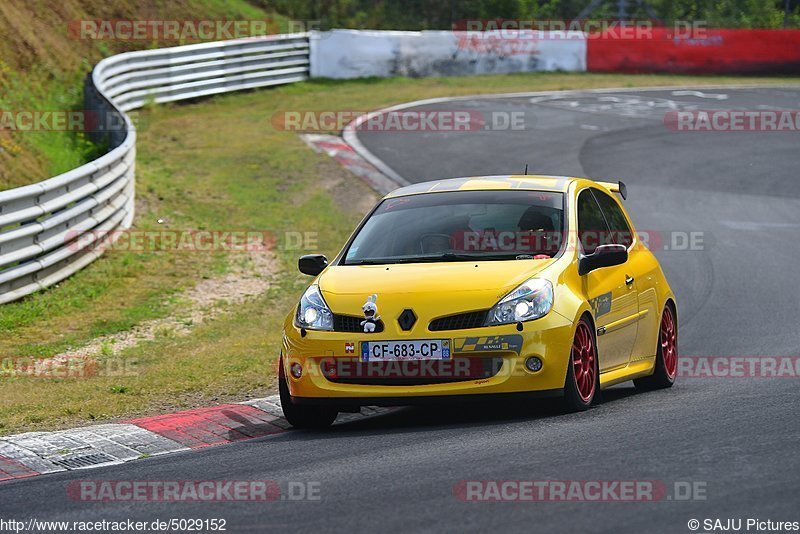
620 231
592 228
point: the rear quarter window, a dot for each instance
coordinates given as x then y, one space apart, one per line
592 228
617 222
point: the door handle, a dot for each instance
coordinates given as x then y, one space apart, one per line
628 280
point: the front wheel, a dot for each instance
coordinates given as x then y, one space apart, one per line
666 368
302 416
583 377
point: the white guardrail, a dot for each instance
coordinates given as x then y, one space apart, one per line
51 229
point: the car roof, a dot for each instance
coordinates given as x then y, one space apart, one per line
488 183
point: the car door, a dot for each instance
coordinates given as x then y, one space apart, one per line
641 268
611 291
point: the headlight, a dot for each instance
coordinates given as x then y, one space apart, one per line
529 301
312 312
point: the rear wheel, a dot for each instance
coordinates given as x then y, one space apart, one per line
582 382
303 416
666 368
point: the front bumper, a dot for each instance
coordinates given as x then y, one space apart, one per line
548 338
430 399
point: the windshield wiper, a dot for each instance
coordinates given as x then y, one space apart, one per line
446 257
380 261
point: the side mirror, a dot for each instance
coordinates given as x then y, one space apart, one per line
604 256
312 264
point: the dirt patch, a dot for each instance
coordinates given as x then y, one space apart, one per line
247 277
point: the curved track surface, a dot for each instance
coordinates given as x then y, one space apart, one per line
738 296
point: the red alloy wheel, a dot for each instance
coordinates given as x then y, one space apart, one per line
669 343
583 361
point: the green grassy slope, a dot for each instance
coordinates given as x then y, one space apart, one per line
42 66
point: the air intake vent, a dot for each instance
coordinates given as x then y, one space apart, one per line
349 323
462 321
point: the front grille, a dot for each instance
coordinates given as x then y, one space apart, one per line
350 323
410 372
462 321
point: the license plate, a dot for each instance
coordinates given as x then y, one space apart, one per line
428 349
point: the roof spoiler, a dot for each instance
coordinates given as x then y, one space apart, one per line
618 187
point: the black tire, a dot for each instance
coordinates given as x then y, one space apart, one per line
574 399
300 415
665 370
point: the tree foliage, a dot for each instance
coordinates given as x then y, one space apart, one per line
441 14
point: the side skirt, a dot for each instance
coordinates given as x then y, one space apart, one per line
633 370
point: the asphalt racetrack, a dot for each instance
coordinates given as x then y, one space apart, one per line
733 439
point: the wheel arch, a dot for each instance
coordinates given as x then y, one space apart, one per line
670 301
587 313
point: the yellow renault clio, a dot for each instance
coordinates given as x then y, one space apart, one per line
520 286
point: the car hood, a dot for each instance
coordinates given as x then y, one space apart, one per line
430 289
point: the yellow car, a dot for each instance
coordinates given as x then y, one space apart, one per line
528 286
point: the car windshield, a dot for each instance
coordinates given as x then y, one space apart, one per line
461 226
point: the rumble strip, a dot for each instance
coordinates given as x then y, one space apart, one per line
36 453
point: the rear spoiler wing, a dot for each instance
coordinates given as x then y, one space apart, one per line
618 187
